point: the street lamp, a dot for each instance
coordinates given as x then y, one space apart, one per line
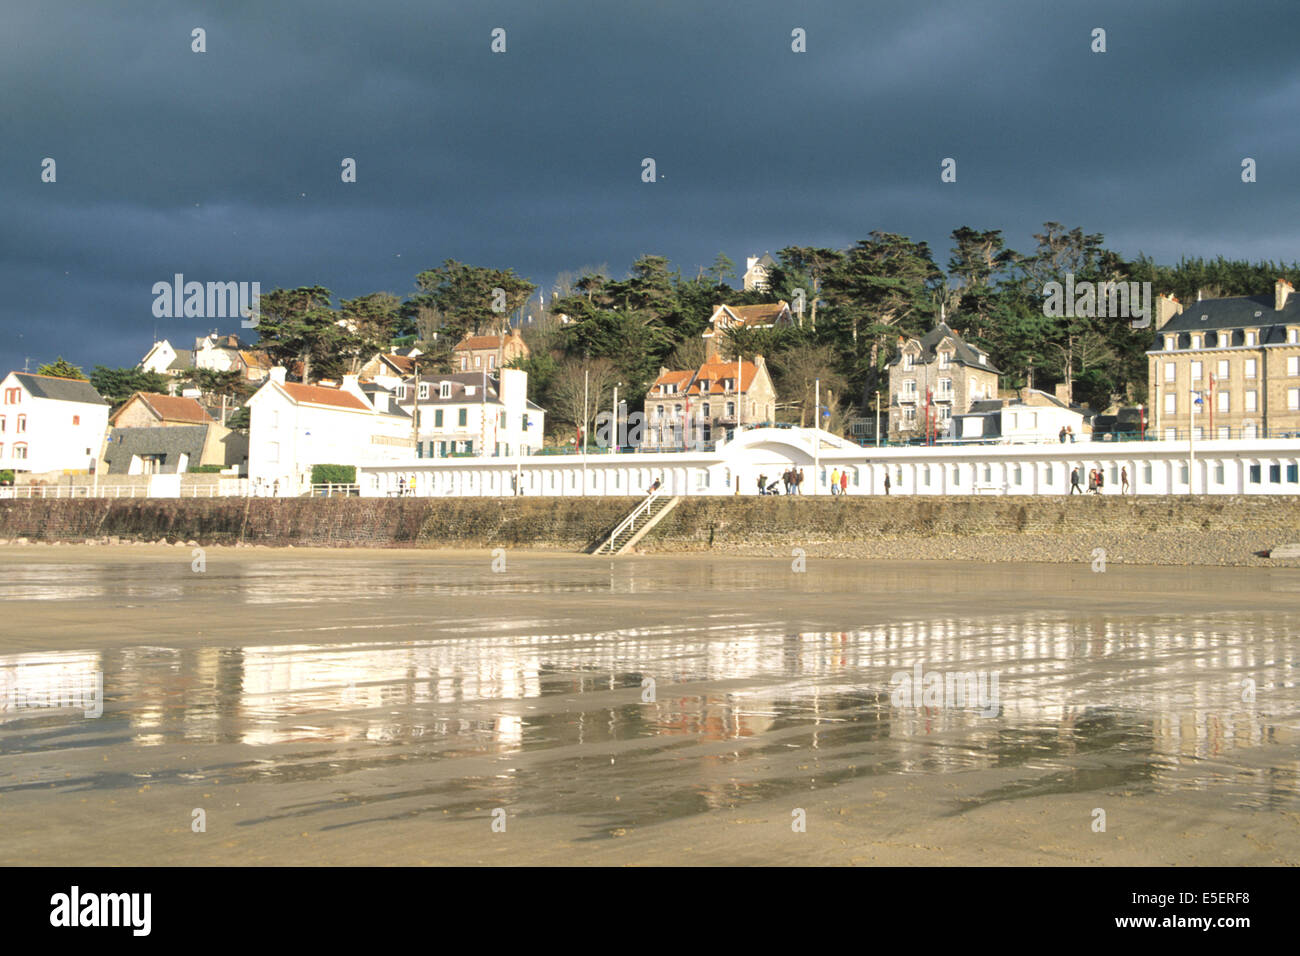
614 436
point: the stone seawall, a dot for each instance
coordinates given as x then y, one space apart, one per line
1142 530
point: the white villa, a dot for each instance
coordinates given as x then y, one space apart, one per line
473 413
293 427
50 424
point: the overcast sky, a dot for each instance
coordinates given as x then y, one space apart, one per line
225 165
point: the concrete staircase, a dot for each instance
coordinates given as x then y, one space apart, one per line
637 524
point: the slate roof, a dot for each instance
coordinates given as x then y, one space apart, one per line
963 352
123 443
1234 314
458 380
59 389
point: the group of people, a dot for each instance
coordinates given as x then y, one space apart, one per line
791 480
1066 434
839 481
1097 481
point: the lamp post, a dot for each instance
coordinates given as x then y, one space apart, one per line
817 435
614 443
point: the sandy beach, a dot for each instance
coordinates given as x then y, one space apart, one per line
376 707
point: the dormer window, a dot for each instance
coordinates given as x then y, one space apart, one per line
944 358
1250 338
1223 340
1171 343
1196 340
907 361
470 389
444 389
982 358
424 390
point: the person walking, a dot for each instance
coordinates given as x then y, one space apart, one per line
1123 480
844 482
835 481
886 482
1101 481
1061 435
1074 482
762 484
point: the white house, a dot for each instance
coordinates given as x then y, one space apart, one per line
166 359
1033 418
468 413
293 427
50 424
756 271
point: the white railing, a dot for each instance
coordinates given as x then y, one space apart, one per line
335 491
108 491
627 522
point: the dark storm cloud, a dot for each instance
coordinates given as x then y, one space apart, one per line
225 165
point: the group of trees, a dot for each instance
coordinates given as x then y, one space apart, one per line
598 332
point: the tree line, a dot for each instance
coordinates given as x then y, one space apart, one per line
596 332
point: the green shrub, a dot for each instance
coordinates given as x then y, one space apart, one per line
205 469
333 474
7 477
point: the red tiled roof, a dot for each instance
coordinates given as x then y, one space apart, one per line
171 408
748 315
319 395
714 370
403 364
673 378
479 342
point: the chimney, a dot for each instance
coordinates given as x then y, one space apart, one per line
353 387
1281 289
1167 306
277 374
1063 393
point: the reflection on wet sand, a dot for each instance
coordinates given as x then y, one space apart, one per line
1085 703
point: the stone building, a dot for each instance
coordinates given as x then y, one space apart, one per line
1234 362
933 378
683 408
475 353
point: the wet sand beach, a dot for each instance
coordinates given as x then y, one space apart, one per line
376 707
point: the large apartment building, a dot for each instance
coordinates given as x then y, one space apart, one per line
1231 366
933 378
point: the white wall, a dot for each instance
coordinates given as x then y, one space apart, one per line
286 438
53 442
1228 467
